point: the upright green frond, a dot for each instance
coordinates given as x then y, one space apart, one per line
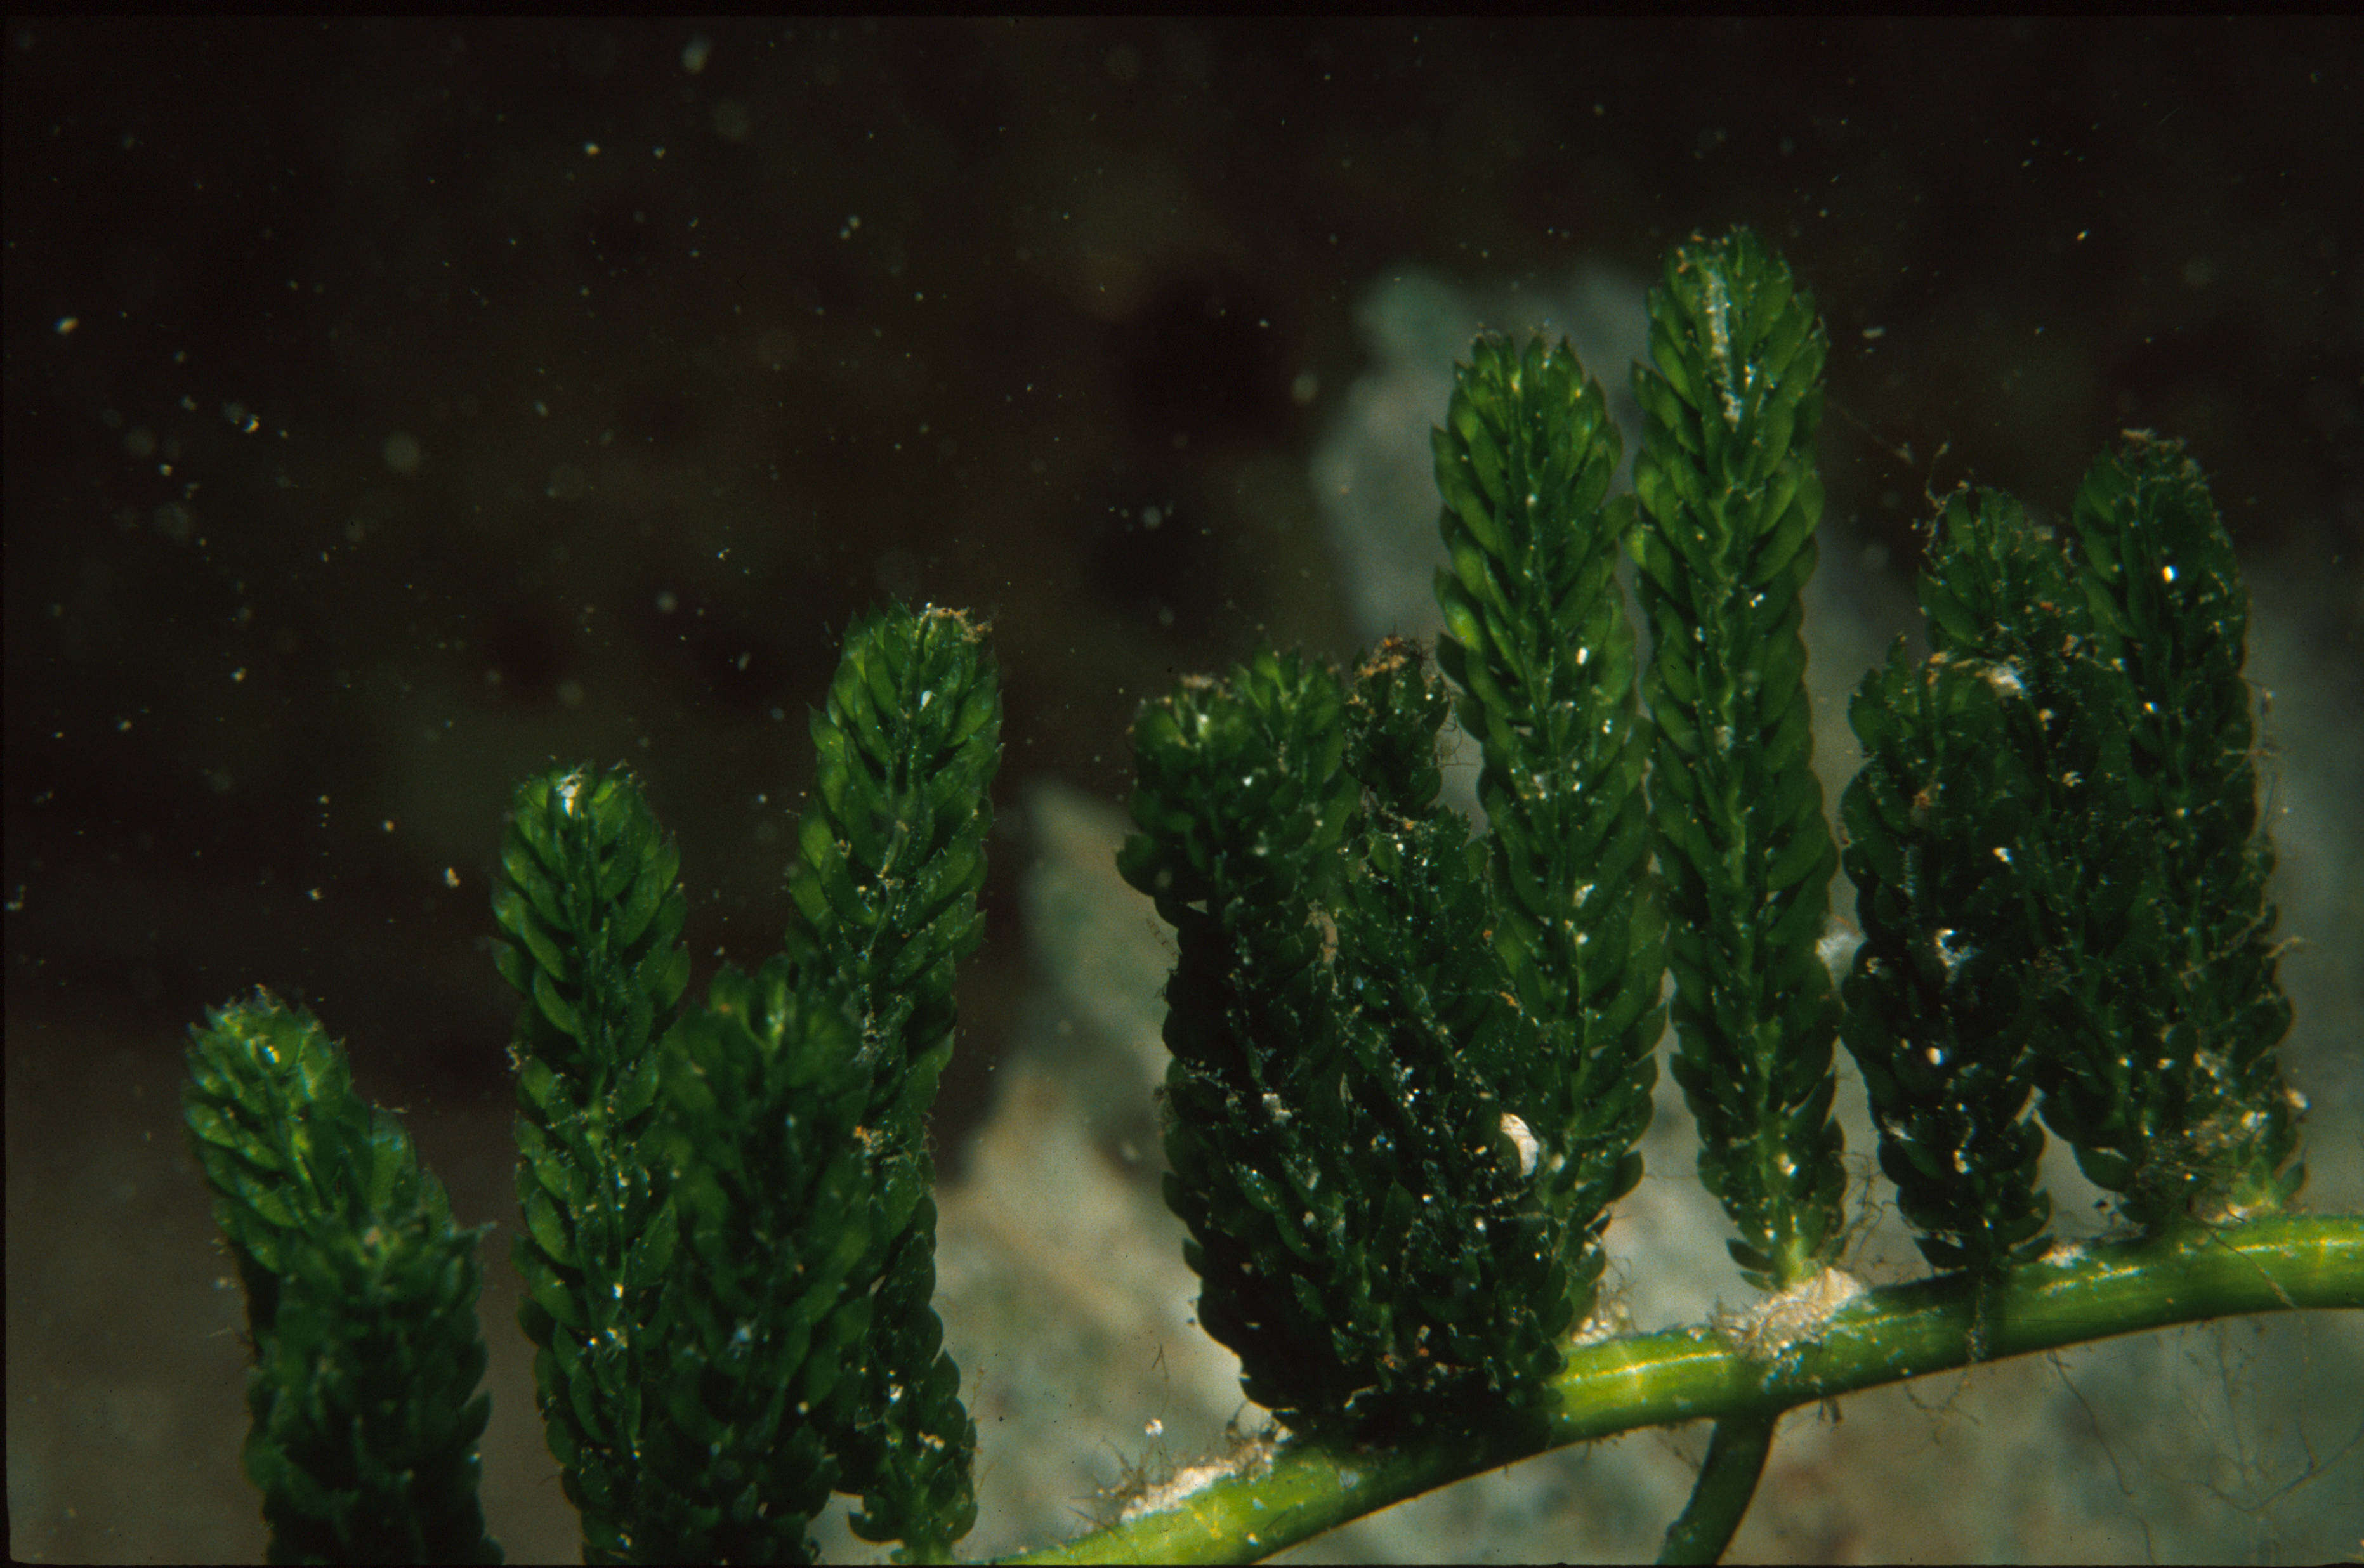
1537 639
590 900
891 857
760 1127
1346 1113
361 1300
1729 498
1475 1267
1243 802
276 1126
2201 1121
2060 871
2169 611
1974 850
367 1449
891 852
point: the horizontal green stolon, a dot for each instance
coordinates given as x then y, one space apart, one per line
1886 1335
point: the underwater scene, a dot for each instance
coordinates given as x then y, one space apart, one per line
396 411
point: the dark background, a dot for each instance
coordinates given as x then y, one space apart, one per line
391 409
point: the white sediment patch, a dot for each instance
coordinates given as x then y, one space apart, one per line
1797 1316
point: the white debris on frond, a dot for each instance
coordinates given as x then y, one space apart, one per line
1250 1455
1523 1138
1610 1320
1797 1316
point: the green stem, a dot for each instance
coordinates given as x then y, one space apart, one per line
1735 1459
1888 1335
